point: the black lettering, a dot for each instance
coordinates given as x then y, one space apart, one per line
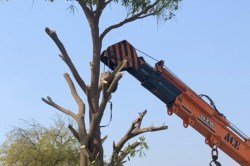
231 140
237 144
227 137
234 142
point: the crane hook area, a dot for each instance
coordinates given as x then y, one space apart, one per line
215 157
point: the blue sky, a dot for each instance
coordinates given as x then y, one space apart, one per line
206 45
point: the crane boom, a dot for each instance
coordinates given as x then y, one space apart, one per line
181 100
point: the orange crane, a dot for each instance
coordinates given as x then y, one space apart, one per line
184 102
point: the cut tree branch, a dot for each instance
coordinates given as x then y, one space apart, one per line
141 116
86 151
150 129
116 70
74 93
109 78
114 83
104 139
50 102
74 132
92 156
65 57
134 130
104 89
107 94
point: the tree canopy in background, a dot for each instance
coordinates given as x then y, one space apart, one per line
34 144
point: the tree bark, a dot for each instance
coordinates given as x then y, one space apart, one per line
83 159
91 143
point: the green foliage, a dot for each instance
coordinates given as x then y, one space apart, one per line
160 8
34 144
141 150
143 146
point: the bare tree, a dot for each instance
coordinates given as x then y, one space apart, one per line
98 92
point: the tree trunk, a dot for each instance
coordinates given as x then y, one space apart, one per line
96 116
95 66
83 159
99 157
